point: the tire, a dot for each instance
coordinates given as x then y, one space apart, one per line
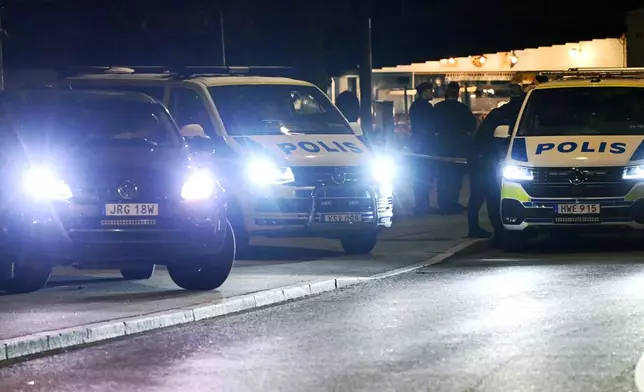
27 278
359 244
514 241
139 273
206 273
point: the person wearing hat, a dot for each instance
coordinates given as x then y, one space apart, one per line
484 170
456 125
421 116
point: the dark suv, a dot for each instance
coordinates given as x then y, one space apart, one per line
98 179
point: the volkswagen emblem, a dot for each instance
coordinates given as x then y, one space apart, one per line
576 177
339 176
128 190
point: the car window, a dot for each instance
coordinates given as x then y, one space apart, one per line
153 91
266 109
70 118
187 107
584 111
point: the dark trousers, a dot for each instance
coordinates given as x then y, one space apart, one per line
449 184
423 180
485 187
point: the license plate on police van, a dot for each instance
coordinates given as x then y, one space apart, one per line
577 209
343 218
132 209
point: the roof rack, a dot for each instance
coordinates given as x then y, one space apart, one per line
596 73
180 72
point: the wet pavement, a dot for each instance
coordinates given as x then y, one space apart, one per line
560 317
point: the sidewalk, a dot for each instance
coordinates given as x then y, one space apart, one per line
87 306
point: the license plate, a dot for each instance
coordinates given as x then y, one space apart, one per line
343 218
577 209
136 209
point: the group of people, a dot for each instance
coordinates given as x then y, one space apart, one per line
449 130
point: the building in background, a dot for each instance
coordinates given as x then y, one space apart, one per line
635 25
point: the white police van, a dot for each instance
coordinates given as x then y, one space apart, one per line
576 156
290 161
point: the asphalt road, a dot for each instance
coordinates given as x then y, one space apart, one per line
568 318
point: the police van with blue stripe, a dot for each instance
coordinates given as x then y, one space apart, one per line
291 163
576 156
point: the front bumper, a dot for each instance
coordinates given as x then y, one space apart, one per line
70 233
520 211
301 211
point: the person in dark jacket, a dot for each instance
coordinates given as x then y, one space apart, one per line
421 117
483 165
349 105
456 124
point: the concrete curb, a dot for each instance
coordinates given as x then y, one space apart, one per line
38 343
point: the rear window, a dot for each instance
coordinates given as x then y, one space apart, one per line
584 111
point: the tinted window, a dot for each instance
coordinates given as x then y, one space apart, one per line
187 107
275 109
79 118
584 111
152 91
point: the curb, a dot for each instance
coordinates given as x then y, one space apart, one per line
57 340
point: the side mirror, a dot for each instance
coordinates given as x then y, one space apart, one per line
356 128
192 130
196 139
502 132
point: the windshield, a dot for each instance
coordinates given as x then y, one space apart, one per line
277 109
86 118
584 111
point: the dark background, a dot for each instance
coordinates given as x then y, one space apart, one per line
321 37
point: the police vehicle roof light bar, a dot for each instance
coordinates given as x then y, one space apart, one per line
596 73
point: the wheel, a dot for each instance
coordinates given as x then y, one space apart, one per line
26 277
359 244
206 272
138 273
514 241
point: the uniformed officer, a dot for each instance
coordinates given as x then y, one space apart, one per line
483 165
421 116
456 124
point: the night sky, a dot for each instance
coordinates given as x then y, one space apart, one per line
320 35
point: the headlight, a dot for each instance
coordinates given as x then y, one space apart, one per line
41 183
633 173
517 173
264 172
198 186
384 170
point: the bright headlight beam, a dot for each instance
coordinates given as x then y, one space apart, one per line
198 186
517 173
41 183
384 170
633 173
265 172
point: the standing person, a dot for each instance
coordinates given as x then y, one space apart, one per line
421 117
347 102
483 165
456 124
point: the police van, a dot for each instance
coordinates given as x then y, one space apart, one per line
290 161
576 156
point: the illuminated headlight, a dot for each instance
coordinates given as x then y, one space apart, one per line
633 173
41 183
198 186
517 173
384 170
265 172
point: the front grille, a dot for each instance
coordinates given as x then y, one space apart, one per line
344 205
577 219
599 182
327 175
102 186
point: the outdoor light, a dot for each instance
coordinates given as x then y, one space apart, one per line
517 173
264 171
